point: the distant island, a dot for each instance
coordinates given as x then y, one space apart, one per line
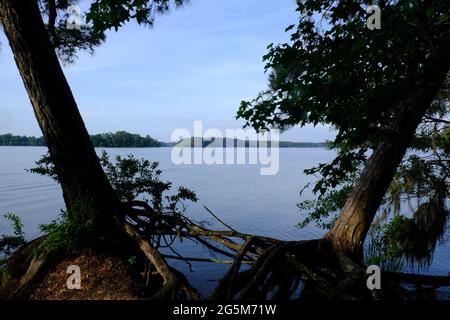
123 139
227 142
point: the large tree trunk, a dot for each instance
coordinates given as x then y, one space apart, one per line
350 230
87 192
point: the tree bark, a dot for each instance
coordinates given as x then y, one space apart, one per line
88 195
350 230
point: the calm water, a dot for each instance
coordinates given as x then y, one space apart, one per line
264 205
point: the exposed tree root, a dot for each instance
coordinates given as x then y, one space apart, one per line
34 270
26 267
279 270
174 284
225 287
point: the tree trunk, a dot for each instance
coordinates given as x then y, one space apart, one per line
87 192
350 230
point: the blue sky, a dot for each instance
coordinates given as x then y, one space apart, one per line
197 63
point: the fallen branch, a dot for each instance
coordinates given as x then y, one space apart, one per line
220 220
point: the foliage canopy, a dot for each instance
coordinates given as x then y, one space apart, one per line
337 72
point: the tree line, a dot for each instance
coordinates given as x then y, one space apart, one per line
119 139
123 139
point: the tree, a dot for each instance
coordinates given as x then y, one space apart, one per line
88 194
373 86
92 202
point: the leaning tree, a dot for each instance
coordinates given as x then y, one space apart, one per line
374 86
385 93
38 36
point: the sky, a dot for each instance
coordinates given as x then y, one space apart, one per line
196 64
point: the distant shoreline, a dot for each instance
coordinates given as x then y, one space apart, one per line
123 139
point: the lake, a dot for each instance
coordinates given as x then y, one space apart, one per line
238 194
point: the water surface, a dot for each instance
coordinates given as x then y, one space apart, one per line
246 200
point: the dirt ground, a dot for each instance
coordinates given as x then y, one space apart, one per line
103 277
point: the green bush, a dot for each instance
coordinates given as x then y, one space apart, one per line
385 248
62 234
9 243
131 178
